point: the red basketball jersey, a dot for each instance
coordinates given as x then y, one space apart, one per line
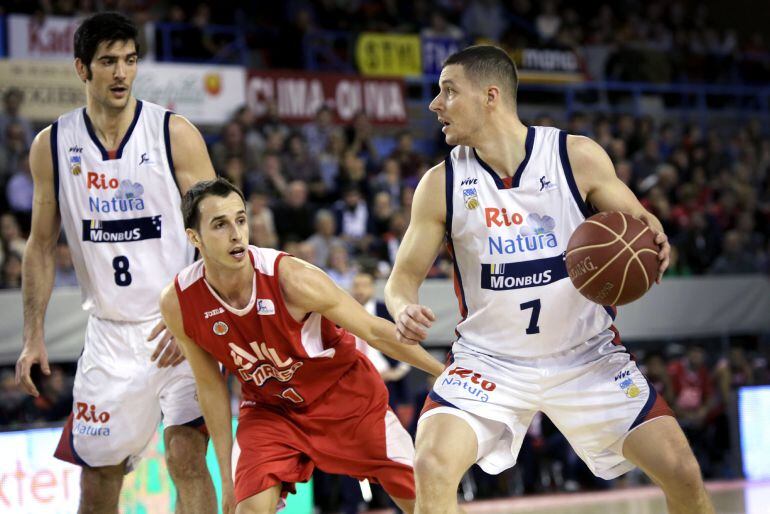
278 360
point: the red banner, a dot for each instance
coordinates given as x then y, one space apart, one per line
299 95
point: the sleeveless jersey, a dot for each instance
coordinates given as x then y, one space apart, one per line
120 211
278 360
507 238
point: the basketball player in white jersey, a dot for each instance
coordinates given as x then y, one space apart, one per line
111 175
507 200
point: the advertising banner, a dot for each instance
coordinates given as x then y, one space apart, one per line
299 95
51 88
46 37
204 94
32 481
435 50
389 55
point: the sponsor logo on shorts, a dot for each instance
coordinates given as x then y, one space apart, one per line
90 421
265 307
470 381
215 312
220 328
626 384
128 230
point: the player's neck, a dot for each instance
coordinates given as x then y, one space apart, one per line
110 125
502 144
232 286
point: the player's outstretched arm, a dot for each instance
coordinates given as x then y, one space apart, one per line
416 254
596 178
38 270
188 150
212 389
306 289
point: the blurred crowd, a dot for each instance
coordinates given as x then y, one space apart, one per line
340 196
657 40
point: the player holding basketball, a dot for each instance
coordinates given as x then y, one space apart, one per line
111 175
310 398
507 199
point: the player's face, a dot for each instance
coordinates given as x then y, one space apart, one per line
223 237
113 70
459 106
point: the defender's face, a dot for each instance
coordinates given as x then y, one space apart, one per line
113 70
223 235
458 105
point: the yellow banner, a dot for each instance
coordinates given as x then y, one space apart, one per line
389 55
51 88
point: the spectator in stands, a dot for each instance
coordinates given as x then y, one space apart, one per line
293 215
12 400
299 164
407 157
55 401
233 144
19 192
14 145
324 237
352 174
271 123
317 133
65 271
11 115
352 216
440 27
381 213
340 269
11 271
330 159
11 239
361 139
271 177
699 243
246 119
656 371
735 259
484 19
389 179
261 220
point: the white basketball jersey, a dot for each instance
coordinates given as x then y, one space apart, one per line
508 238
121 212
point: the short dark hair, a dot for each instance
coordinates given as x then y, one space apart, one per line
487 64
101 27
194 196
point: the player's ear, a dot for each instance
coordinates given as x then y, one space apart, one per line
493 95
82 70
193 237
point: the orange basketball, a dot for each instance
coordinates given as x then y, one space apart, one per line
612 258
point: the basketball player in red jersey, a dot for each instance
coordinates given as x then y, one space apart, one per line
310 399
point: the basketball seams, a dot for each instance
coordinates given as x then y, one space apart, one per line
627 247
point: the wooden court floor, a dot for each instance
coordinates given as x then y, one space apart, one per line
730 497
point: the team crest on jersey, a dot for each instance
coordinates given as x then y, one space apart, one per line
75 164
470 198
265 307
220 328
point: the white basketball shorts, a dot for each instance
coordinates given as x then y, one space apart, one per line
593 393
120 396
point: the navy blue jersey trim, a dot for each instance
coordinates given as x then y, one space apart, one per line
610 311
167 140
78 458
529 143
55 158
567 167
438 399
126 137
449 211
647 406
448 190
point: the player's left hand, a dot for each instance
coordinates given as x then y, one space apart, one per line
661 239
167 352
